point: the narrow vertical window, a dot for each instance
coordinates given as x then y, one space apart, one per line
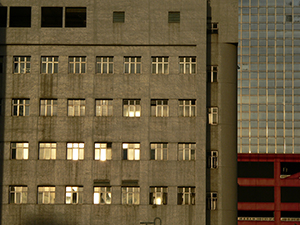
1 62
212 198
212 28
213 115
212 74
212 162
3 16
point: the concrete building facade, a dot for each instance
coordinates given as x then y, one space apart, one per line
108 115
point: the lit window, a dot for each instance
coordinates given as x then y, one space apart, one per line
187 65
212 74
21 64
105 64
104 107
158 196
187 108
46 195
1 64
20 107
131 108
75 151
186 196
130 195
49 64
102 195
159 108
102 151
212 28
132 65
77 64
74 194
48 107
212 198
18 194
47 151
186 151
213 160
159 151
19 151
76 107
131 151
118 17
174 17
160 65
213 115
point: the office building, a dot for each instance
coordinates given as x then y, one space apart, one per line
269 111
108 115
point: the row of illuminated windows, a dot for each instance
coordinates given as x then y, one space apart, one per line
130 195
55 16
103 152
104 64
104 107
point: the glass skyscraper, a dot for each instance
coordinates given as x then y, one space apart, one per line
269 76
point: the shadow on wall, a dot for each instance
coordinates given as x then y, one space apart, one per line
3 20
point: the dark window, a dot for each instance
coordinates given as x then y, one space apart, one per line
52 16
242 213
3 16
1 64
255 194
256 169
119 17
289 168
20 17
75 16
290 214
174 17
290 194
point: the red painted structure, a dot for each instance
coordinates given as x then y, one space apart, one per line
276 182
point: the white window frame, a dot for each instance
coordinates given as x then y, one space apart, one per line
47 151
186 151
160 64
18 194
159 151
212 200
213 162
186 195
49 64
160 107
105 64
102 195
103 151
19 151
21 64
212 74
74 194
187 64
46 195
132 108
213 114
187 107
131 151
130 195
75 151
21 106
77 64
76 107
158 196
132 64
213 27
104 107
48 107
